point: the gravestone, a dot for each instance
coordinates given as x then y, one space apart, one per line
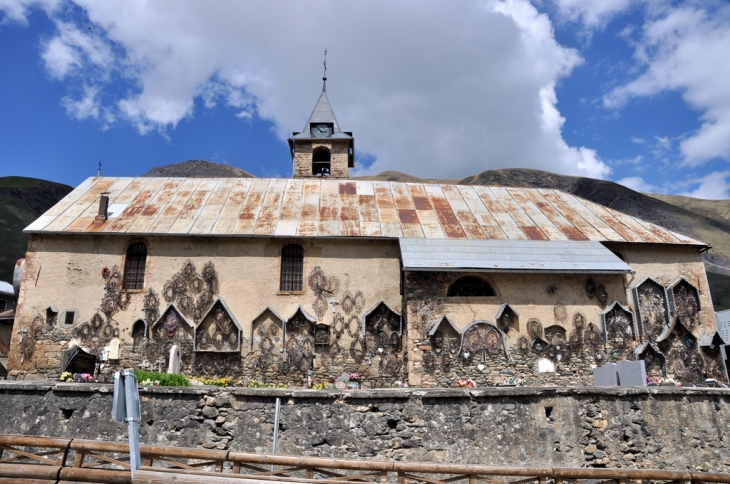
174 365
344 377
631 373
114 349
78 361
606 375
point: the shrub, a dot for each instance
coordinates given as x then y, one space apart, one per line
161 379
218 382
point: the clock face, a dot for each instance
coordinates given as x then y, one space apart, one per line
321 131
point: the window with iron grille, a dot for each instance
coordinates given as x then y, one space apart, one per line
292 267
470 286
135 265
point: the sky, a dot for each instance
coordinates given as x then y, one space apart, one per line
633 91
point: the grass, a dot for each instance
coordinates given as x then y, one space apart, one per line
19 182
165 379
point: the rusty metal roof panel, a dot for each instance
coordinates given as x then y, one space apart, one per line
534 212
291 209
447 218
309 216
342 208
251 208
349 209
489 224
590 232
508 224
228 217
587 257
271 208
329 209
369 220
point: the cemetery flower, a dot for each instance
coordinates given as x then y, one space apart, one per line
354 376
400 384
85 377
513 381
467 383
66 376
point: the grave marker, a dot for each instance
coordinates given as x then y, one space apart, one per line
606 375
631 373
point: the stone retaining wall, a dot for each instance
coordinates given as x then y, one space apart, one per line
664 428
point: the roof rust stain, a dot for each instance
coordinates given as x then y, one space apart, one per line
450 224
471 225
573 234
348 188
534 233
407 216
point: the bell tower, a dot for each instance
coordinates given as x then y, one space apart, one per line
321 149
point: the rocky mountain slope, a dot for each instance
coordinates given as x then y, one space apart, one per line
199 169
22 200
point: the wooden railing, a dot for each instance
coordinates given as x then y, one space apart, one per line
41 460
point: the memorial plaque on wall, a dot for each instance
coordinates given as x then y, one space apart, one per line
79 361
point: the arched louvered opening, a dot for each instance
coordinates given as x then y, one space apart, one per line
470 286
321 161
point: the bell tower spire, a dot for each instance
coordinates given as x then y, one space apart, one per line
321 149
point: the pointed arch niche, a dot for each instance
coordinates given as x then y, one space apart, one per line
654 361
299 340
382 330
507 318
618 325
684 302
445 338
219 330
173 326
652 311
267 333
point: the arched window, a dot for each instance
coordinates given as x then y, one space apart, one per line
292 267
470 286
134 266
321 161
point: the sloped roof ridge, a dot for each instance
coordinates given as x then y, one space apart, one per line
313 207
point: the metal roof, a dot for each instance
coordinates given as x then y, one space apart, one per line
510 255
722 321
275 207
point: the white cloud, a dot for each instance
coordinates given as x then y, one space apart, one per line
714 186
638 184
593 14
437 89
685 49
17 10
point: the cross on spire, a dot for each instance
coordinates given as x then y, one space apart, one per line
324 76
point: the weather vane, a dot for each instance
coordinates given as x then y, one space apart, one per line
98 174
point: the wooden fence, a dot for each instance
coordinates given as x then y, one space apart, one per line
36 460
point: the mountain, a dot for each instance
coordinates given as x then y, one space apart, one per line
22 200
198 169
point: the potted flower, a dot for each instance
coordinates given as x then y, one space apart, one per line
466 383
512 382
354 381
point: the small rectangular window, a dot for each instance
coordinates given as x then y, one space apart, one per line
70 318
3 305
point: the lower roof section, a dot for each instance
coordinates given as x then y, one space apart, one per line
509 256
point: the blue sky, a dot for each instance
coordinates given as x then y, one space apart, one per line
628 90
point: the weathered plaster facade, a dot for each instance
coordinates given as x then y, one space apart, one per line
553 320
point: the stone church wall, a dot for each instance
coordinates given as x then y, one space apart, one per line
83 273
663 428
543 328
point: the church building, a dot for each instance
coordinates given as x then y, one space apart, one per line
275 279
